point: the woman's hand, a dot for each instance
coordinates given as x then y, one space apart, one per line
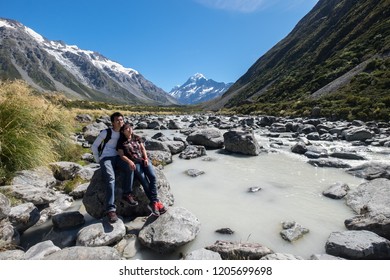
146 162
132 165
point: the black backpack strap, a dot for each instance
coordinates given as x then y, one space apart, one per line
104 142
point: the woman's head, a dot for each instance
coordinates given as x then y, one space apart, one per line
127 129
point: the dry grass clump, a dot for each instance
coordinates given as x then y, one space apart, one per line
33 131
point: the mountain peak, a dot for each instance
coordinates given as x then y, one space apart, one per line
197 76
198 89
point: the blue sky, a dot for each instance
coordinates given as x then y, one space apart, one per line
167 41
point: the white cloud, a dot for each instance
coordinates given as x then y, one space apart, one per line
243 6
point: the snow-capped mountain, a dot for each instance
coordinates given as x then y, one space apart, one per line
55 66
198 89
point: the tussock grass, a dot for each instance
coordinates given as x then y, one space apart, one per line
33 131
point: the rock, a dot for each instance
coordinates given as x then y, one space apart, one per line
85 253
62 203
64 170
239 251
5 206
12 255
41 177
337 191
129 246
281 256
193 151
292 231
371 170
29 193
79 191
324 257
8 234
101 234
194 172
68 220
225 231
94 198
169 231
202 254
356 134
159 157
242 142
210 138
40 250
24 216
92 131
299 148
328 163
358 245
371 200
254 189
346 155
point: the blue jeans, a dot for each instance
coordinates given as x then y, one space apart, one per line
108 166
147 178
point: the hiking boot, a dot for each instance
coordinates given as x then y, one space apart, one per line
130 199
112 217
153 206
161 208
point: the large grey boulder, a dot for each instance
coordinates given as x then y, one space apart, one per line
24 216
40 177
358 245
239 251
243 142
356 134
371 170
334 163
94 197
33 194
371 200
210 138
169 231
85 253
92 131
101 234
40 250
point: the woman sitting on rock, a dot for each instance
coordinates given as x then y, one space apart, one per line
132 150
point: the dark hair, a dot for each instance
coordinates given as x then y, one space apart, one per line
124 125
115 115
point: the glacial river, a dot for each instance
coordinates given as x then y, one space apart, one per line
291 190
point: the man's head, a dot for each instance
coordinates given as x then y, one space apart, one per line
117 120
115 115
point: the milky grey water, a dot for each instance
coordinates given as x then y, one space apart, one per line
291 190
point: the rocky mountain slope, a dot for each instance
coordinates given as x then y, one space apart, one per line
55 66
340 47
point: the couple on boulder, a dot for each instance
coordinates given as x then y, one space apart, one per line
118 146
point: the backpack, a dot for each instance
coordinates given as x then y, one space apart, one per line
104 142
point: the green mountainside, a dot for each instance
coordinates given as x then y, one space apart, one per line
336 58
